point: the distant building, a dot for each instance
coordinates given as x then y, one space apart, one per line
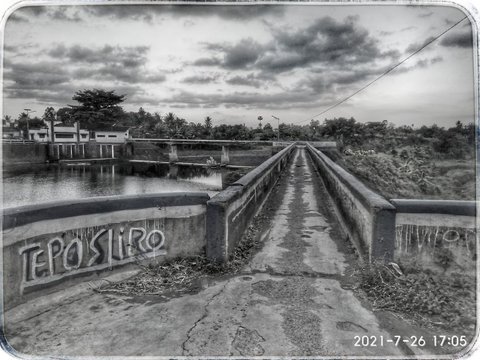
39 135
11 133
69 133
113 135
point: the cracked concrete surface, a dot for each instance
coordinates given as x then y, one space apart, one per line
288 301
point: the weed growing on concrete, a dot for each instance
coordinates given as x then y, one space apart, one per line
182 274
440 300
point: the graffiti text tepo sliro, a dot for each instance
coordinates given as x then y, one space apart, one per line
62 257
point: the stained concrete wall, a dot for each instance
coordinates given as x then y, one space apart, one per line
429 231
19 153
367 218
230 212
87 150
56 244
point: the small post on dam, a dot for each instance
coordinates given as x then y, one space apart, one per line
173 155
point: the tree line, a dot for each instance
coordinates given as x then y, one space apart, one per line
102 109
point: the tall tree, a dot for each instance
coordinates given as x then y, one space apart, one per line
208 127
49 115
98 108
65 115
7 120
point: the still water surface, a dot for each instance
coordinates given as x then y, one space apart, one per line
61 182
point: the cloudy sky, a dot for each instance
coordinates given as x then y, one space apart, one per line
235 63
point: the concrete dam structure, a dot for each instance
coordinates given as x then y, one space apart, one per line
56 247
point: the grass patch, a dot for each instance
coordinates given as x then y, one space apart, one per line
436 300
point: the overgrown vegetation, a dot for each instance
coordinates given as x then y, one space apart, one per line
413 172
184 274
433 299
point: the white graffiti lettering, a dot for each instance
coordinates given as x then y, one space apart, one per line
88 251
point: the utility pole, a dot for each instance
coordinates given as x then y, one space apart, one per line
28 111
278 120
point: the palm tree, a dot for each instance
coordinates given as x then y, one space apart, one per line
208 127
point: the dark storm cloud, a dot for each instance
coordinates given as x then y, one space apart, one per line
283 100
425 15
207 62
131 57
319 84
386 33
458 39
436 59
61 95
31 75
326 41
235 56
118 73
147 12
53 96
449 21
67 67
11 48
123 12
246 52
422 63
16 18
248 80
200 79
323 82
126 64
415 46
59 13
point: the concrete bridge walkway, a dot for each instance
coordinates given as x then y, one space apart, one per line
292 299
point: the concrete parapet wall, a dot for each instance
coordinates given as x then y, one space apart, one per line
230 212
437 233
447 207
329 145
367 218
57 244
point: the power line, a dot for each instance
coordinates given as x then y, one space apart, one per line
386 72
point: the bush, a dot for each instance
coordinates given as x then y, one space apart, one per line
425 295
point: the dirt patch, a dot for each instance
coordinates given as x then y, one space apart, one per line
300 324
286 291
303 328
248 342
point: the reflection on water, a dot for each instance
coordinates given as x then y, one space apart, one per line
59 182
